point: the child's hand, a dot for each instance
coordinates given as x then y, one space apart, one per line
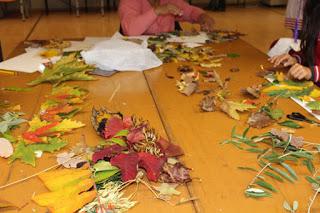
300 72
206 23
285 59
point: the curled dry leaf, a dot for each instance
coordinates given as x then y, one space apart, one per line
207 104
6 148
167 190
260 120
252 92
175 173
284 136
185 68
187 88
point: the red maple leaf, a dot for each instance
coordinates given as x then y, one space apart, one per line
135 135
152 164
113 126
108 152
169 149
128 164
34 136
127 121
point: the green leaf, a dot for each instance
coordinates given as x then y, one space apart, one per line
54 144
233 132
9 120
314 105
265 185
103 166
257 193
302 154
276 114
290 124
312 180
233 55
244 134
24 153
104 175
282 173
247 168
255 150
122 133
118 141
7 135
308 163
16 89
273 175
290 170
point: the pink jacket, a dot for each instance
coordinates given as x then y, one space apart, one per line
137 17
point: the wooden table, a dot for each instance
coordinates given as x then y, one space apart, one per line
218 183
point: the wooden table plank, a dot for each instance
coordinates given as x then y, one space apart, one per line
133 97
222 185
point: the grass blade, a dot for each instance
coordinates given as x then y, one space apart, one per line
290 170
247 168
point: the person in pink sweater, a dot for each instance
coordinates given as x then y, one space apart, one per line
152 17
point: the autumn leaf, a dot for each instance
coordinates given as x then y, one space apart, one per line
67 125
232 108
24 153
10 120
167 190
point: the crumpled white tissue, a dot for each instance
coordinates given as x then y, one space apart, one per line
284 45
117 54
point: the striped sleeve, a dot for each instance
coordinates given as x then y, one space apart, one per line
316 74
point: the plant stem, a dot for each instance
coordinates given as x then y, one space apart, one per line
259 173
313 199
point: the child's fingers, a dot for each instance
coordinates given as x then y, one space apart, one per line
280 60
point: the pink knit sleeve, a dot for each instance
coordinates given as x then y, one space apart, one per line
133 22
190 13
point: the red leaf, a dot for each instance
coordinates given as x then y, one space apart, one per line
127 163
135 135
34 136
108 152
50 113
113 126
151 164
169 149
127 121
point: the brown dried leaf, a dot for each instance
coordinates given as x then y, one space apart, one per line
260 120
207 104
252 92
218 79
284 136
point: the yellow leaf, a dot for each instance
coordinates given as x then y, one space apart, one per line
280 76
67 125
315 93
36 123
231 108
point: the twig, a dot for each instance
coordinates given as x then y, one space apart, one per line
114 93
259 173
313 199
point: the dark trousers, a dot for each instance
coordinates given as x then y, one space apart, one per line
217 5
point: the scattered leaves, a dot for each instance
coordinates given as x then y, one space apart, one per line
232 108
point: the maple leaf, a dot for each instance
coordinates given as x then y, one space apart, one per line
152 165
128 164
67 125
135 135
10 120
36 123
54 144
231 108
24 153
113 126
67 68
314 105
108 152
6 148
175 173
169 149
6 206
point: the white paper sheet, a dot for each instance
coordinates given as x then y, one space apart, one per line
28 62
303 104
117 54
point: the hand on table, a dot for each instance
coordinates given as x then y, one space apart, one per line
206 23
300 72
284 59
168 9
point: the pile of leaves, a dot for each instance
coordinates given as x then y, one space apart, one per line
220 36
130 145
68 68
47 127
277 152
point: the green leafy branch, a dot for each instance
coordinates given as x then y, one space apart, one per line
274 160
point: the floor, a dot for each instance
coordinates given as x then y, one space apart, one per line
261 24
